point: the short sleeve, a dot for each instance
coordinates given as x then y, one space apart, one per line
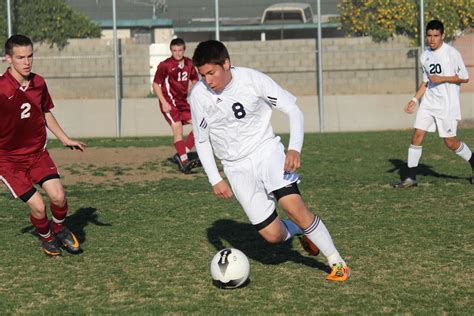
160 73
46 100
459 66
423 70
193 74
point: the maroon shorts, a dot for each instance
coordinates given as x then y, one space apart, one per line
179 113
21 172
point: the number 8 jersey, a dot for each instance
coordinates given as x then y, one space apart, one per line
236 121
22 120
442 100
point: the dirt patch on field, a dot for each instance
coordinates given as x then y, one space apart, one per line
106 165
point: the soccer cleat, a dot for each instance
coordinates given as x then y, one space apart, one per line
194 163
407 183
308 246
176 159
339 273
50 248
68 240
183 167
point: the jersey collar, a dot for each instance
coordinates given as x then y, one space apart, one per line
15 82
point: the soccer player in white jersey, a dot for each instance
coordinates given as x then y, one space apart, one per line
443 73
231 109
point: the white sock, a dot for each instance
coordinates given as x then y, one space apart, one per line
464 152
319 235
292 228
414 155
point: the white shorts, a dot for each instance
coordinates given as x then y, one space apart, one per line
255 178
426 121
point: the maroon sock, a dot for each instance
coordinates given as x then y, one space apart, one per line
190 141
181 150
42 227
59 214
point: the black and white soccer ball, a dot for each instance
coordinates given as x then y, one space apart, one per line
230 268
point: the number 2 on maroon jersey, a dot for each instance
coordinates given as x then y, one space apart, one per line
26 110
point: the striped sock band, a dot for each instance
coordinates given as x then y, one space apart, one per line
311 228
464 152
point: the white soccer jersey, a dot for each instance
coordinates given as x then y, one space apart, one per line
442 100
236 121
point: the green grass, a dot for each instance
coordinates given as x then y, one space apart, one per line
147 246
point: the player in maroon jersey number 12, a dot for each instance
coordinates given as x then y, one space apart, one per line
171 85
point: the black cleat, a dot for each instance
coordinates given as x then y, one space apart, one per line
194 163
51 248
68 240
176 159
407 183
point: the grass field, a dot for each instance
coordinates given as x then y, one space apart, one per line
147 245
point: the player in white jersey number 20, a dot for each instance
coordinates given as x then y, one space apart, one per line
231 109
443 73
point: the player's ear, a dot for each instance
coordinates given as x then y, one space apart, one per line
8 58
227 64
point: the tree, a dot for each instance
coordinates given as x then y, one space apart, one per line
382 19
50 21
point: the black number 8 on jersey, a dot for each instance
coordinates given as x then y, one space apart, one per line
239 111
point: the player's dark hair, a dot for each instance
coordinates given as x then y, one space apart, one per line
16 40
435 25
178 42
210 52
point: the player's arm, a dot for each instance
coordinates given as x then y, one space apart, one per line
284 101
56 129
157 83
447 79
159 94
296 118
411 105
205 152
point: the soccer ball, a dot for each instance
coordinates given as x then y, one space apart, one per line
230 268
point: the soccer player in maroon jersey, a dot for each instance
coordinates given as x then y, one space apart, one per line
25 112
171 85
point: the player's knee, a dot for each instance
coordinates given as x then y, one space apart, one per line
271 229
37 209
58 198
452 143
273 237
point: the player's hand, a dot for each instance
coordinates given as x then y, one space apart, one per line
410 107
222 190
74 144
166 107
436 79
292 161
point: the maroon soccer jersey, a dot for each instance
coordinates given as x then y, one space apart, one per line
22 118
174 79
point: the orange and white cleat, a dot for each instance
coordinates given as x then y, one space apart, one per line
308 246
339 273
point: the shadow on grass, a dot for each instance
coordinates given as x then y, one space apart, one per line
401 167
244 237
76 223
